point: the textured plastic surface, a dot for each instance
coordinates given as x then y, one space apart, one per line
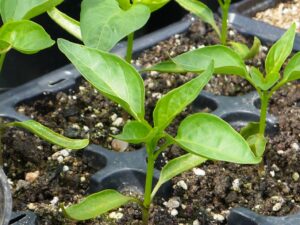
240 18
23 218
123 170
242 216
5 199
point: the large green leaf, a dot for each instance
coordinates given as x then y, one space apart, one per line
134 132
176 100
201 10
208 136
280 51
111 75
49 135
25 36
152 4
292 69
97 204
103 23
25 9
226 61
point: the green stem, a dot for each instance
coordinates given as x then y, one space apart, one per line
129 47
263 112
2 58
67 23
148 185
225 9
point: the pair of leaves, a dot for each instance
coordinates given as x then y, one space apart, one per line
264 83
13 10
111 75
103 23
244 52
201 10
49 135
226 61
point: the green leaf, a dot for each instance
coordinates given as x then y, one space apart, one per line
201 10
4 47
97 204
67 23
49 135
292 69
280 51
179 165
25 9
254 50
264 83
124 4
111 75
208 136
152 4
103 23
257 143
226 61
174 102
134 132
25 36
250 129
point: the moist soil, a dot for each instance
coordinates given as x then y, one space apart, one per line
43 176
282 15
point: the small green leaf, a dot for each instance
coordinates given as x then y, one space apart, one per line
4 47
254 50
179 165
170 105
201 10
241 49
208 136
49 135
124 4
264 83
134 132
111 75
152 4
292 69
97 204
66 22
257 143
280 51
250 129
226 61
103 23
25 36
25 9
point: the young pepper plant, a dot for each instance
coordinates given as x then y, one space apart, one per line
203 136
229 62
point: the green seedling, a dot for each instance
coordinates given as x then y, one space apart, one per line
27 37
203 136
229 62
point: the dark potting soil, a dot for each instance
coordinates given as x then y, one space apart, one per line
43 176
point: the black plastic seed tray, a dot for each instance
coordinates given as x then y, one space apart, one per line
241 18
128 169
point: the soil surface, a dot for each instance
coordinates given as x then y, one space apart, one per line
43 176
282 15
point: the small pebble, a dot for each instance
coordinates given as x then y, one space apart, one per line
295 146
54 201
82 179
277 207
236 185
60 159
114 117
272 173
119 145
295 176
199 172
31 206
32 176
182 184
174 212
219 217
118 122
65 168
196 222
65 153
116 215
172 203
